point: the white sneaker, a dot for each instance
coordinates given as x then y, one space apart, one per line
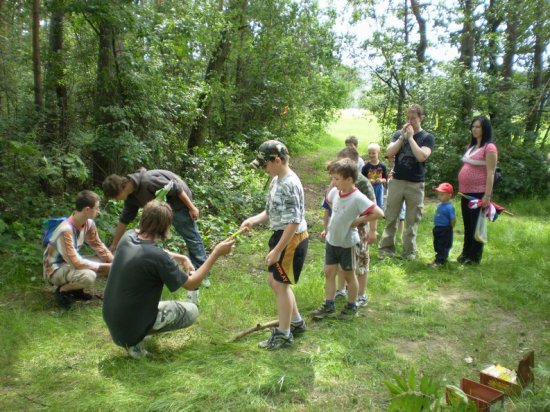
206 283
362 301
341 294
138 351
193 296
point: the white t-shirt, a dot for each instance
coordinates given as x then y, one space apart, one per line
345 209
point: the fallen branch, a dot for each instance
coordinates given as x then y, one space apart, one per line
258 326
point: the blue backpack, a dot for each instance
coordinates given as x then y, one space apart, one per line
49 227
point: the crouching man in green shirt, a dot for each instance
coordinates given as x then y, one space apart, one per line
131 305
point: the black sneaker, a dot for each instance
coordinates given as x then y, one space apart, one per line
347 313
324 311
63 299
277 340
298 328
79 294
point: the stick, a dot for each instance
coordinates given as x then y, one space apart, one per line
258 326
235 234
471 198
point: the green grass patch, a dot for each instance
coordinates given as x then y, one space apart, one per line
358 123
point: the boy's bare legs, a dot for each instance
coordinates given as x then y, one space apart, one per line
353 286
286 303
330 281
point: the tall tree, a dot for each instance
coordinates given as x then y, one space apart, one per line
213 73
423 42
56 82
36 63
466 58
539 90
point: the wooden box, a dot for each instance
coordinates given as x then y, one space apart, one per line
524 374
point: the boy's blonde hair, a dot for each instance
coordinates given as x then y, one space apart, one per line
374 146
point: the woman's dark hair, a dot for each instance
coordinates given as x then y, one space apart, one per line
487 131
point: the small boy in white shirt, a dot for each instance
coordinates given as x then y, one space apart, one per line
350 208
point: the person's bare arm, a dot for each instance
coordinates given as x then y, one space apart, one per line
196 277
491 165
186 200
119 231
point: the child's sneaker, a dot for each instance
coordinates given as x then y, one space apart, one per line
298 328
138 351
193 296
435 265
341 294
79 294
347 313
323 311
362 301
206 283
63 298
277 340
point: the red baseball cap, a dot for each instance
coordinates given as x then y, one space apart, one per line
444 188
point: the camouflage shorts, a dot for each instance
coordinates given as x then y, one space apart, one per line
174 315
362 259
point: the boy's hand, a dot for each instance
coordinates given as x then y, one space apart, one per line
247 225
224 247
272 257
185 263
324 234
194 213
371 237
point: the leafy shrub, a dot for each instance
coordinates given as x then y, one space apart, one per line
225 189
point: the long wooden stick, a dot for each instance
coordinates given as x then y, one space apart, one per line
470 198
259 326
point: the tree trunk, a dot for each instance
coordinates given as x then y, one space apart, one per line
106 154
214 72
466 59
423 43
55 85
537 93
511 41
493 22
37 71
2 51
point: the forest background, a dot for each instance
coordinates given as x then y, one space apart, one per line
90 88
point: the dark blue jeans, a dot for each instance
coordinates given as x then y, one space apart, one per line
443 242
472 249
188 230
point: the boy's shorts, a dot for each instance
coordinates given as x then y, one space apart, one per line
289 266
345 256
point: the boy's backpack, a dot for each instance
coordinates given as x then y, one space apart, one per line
49 227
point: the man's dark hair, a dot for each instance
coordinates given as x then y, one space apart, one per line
156 219
86 198
113 185
345 168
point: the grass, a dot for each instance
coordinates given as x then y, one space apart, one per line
359 123
417 318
